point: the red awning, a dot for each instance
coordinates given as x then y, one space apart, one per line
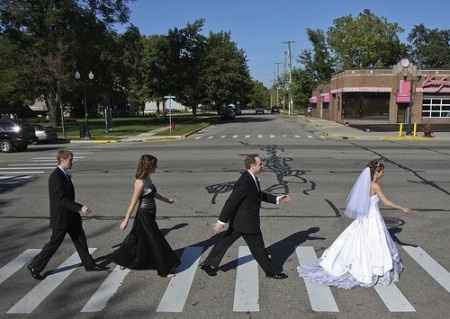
326 97
404 92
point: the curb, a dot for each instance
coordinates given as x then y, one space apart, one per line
93 141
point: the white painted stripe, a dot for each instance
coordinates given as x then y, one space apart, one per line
223 136
179 286
432 267
210 137
297 136
309 136
49 162
22 172
393 298
106 290
260 136
198 137
246 291
32 299
25 168
17 263
272 136
13 178
283 136
53 158
247 136
32 164
235 136
320 296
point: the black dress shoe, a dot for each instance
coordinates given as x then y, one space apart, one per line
35 274
95 267
210 270
277 276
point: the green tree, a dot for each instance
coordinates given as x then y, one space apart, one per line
260 95
430 48
365 41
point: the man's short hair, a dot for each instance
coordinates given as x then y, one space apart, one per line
63 154
250 159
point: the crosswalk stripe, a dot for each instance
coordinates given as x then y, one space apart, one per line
198 137
309 136
297 136
210 137
13 178
179 286
31 164
25 168
432 267
106 290
223 136
246 291
247 136
393 298
271 136
320 296
17 263
31 300
235 136
22 172
283 136
260 136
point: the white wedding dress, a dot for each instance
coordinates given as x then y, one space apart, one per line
364 255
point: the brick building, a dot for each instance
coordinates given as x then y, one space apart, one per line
385 95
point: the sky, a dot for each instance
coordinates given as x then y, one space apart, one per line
260 27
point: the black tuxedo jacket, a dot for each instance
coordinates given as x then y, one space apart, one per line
63 208
241 209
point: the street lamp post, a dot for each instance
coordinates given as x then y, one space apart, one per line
170 97
87 134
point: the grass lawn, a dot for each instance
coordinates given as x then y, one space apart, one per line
127 126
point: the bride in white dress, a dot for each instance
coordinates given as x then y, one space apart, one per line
364 254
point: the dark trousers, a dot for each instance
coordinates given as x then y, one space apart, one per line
254 242
78 237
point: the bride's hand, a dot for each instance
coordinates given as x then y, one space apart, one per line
406 210
124 224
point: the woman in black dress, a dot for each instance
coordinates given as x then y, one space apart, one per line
145 246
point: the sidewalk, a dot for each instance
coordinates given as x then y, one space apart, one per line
333 130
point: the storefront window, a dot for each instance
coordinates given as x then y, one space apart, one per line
436 107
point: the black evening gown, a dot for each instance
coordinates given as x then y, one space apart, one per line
145 246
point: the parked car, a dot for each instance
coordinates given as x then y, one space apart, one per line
275 109
45 133
228 113
259 110
15 135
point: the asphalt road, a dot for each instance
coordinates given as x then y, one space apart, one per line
199 173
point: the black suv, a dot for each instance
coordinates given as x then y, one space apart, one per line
15 135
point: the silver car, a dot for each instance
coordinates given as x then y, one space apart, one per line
45 133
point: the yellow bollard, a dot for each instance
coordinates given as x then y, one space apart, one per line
415 129
400 131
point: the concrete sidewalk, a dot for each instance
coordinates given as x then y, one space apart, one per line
333 130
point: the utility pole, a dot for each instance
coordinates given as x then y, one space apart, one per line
291 103
277 82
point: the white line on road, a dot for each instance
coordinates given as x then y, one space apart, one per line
246 291
32 164
309 136
283 136
247 136
23 172
223 136
260 136
393 298
179 286
32 299
198 137
210 137
297 136
432 267
320 296
13 178
235 136
271 136
25 168
17 263
106 290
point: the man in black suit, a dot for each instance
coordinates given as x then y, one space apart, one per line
64 218
241 211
